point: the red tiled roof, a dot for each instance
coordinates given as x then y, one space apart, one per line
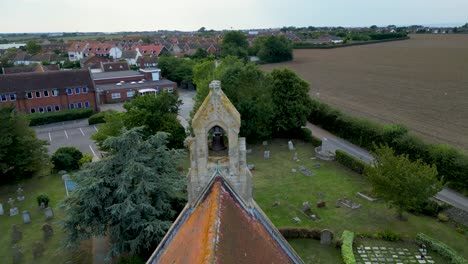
149 49
221 229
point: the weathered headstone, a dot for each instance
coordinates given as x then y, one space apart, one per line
14 211
297 219
48 230
38 249
1 209
11 202
293 170
42 206
306 208
20 194
290 145
251 167
321 204
265 143
295 156
17 253
305 171
49 213
16 234
316 166
266 154
326 237
26 217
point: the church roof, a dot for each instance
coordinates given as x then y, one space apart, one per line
221 228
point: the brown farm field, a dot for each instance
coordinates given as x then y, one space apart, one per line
421 83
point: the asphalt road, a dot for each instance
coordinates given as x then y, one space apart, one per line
447 195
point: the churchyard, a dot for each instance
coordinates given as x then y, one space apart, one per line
41 236
285 181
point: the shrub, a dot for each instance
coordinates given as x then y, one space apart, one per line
442 218
53 117
87 158
43 198
347 247
441 248
300 232
131 260
389 236
66 158
429 208
99 117
350 162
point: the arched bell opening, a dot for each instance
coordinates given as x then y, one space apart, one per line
218 142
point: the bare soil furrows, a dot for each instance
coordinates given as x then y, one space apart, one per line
421 82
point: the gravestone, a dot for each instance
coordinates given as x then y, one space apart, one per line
49 213
1 209
305 171
293 170
251 167
265 143
290 145
297 219
48 230
14 211
295 157
316 166
306 208
42 206
26 217
266 154
16 234
321 204
17 253
20 193
326 237
65 177
38 249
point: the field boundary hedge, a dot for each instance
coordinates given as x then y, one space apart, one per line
334 46
441 248
300 232
451 163
347 247
53 117
350 162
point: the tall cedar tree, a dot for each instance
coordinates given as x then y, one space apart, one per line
127 195
22 154
400 182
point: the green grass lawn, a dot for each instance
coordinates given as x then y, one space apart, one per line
274 181
53 186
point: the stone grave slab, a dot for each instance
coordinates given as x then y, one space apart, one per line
1 209
26 217
305 171
266 154
326 237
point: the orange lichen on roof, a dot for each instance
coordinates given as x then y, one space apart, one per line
221 230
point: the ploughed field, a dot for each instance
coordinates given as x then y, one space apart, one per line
421 82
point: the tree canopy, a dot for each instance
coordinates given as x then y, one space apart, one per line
273 48
235 44
400 182
32 47
179 70
153 113
131 195
22 154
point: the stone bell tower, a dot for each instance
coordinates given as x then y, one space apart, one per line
217 112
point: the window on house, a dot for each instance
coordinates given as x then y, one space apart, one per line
49 108
79 105
115 95
170 90
29 95
130 93
32 110
54 92
77 90
38 94
41 109
69 91
85 89
57 108
4 97
46 93
12 97
71 106
86 104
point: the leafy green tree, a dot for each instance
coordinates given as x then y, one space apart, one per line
273 48
235 44
114 122
22 154
128 196
32 47
176 69
66 158
200 53
400 182
291 101
5 62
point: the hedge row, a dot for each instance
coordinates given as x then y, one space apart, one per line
452 164
441 248
300 232
347 247
306 45
306 135
98 117
350 162
53 117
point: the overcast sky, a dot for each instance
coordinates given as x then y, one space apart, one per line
141 15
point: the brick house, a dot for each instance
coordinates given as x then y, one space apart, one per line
49 91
